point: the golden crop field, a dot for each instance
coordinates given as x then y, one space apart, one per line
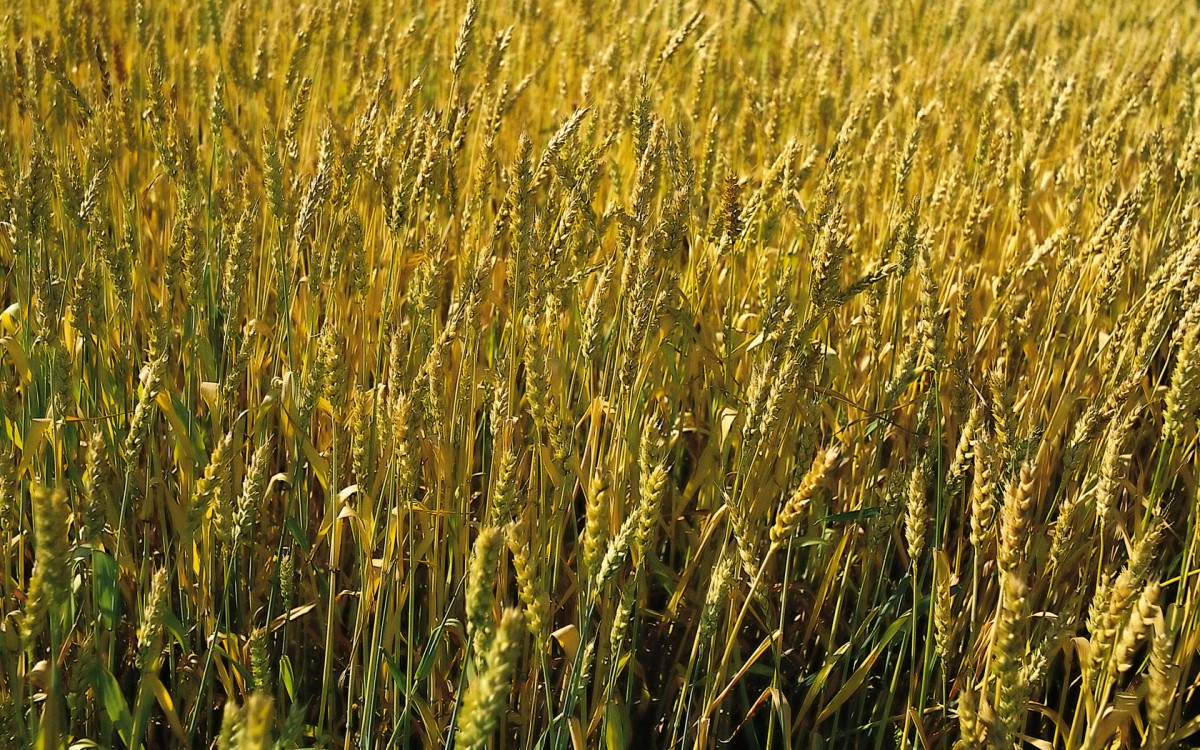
551 375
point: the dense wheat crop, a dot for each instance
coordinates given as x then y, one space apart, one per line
558 375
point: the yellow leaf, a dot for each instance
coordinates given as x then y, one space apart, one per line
32 444
210 392
19 360
568 637
182 439
8 318
168 706
295 613
616 725
860 675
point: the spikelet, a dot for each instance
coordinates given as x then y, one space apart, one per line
214 492
1016 517
462 45
715 598
794 510
260 666
1108 489
1183 397
971 725
945 617
916 517
983 497
85 300
1136 628
1065 535
649 509
139 424
590 331
404 445
483 703
362 447
745 537
595 527
529 583
828 254
232 721
273 176
247 727
150 627
259 713
237 265
1114 605
1003 419
50 587
730 211
964 454
287 576
1008 650
623 617
253 486
485 559
9 487
295 118
96 489
1164 683
614 554
504 495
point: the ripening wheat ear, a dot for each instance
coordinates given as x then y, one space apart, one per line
595 525
154 613
529 582
485 559
483 703
1183 397
916 517
50 587
793 511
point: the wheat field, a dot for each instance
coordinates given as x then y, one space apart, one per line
540 375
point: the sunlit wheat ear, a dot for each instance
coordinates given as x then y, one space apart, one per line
1016 518
260 666
139 424
214 493
1003 419
714 599
964 453
595 528
1136 628
253 486
530 586
1108 486
649 509
1164 681
983 497
616 551
945 616
916 517
9 487
1183 397
794 510
247 727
